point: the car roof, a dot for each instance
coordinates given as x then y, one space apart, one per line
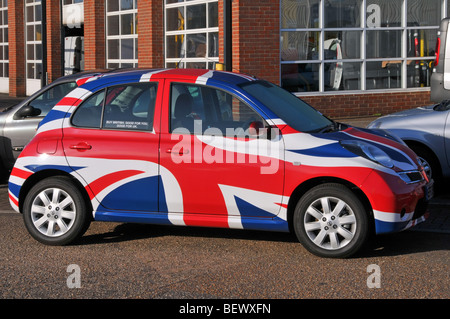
199 76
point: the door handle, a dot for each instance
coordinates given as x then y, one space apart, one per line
179 152
82 146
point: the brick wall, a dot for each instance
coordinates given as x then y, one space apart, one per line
94 34
256 38
54 45
151 34
16 36
370 104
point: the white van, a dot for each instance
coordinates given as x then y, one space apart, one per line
440 78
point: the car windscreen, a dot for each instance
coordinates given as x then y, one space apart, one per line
292 110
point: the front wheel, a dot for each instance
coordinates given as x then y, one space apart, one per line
55 212
330 221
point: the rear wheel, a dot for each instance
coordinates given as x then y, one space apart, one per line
330 221
55 212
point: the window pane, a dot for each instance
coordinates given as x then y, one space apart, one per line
213 50
112 5
30 14
38 33
30 51
196 45
89 113
299 14
342 14
213 16
342 76
300 46
384 13
130 107
47 100
419 73
175 19
302 77
38 13
175 46
113 49
113 25
426 13
342 45
30 70
126 4
39 51
384 44
421 42
196 16
127 49
127 24
30 33
383 75
38 74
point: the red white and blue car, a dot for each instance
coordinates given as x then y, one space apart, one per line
215 149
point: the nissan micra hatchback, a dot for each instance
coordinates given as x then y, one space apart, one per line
216 149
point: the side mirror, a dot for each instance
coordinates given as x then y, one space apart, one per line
256 129
27 111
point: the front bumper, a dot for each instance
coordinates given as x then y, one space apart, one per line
392 222
396 205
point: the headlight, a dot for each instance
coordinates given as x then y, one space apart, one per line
368 151
374 125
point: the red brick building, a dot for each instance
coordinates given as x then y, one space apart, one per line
346 58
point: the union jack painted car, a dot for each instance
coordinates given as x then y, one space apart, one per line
216 149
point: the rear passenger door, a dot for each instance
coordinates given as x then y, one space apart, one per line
110 142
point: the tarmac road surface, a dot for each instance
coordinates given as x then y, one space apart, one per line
115 260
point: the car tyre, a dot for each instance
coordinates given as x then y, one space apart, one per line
55 212
429 161
330 221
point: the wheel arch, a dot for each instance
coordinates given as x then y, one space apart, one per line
413 143
301 190
37 177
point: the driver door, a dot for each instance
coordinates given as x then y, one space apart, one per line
226 174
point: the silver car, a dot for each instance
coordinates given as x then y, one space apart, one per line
18 122
426 131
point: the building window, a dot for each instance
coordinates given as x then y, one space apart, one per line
121 33
66 2
33 34
364 45
191 33
4 52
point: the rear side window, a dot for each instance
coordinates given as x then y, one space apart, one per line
121 107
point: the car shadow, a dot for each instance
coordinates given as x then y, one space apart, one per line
129 232
396 244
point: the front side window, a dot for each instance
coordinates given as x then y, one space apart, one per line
205 110
122 107
48 99
358 45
